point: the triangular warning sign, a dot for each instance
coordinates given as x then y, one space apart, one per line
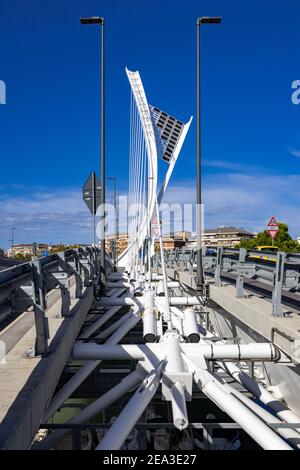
273 222
272 233
154 227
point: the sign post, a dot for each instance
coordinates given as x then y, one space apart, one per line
273 228
91 196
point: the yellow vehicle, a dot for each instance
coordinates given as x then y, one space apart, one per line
273 250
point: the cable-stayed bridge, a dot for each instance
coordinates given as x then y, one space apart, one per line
148 359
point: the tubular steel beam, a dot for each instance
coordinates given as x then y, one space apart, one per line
87 369
127 384
122 427
242 415
230 352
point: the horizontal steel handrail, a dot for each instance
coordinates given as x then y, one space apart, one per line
28 284
281 271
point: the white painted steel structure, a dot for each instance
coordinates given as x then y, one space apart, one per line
143 177
178 350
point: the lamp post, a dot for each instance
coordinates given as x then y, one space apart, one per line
100 21
12 239
114 179
200 273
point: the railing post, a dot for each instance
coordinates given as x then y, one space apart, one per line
181 260
277 310
239 285
97 261
219 266
64 284
77 273
91 262
191 262
86 266
39 305
94 260
176 259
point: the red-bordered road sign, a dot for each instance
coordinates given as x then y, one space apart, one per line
155 227
273 227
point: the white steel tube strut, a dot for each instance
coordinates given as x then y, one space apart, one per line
87 369
242 415
124 424
126 385
176 350
179 411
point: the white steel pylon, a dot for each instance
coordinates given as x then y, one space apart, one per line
153 134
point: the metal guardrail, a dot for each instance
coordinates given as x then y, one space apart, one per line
29 283
280 271
6 263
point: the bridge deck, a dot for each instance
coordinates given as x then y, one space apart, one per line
253 311
27 383
256 313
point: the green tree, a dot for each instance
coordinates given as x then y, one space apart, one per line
57 248
283 240
21 257
61 247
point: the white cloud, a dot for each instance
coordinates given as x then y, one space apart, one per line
236 199
44 202
44 216
245 201
230 166
295 153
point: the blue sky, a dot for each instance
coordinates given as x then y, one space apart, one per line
49 128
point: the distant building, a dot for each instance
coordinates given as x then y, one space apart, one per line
298 240
122 242
174 240
226 236
223 236
185 236
26 249
169 243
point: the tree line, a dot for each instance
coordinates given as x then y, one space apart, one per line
283 240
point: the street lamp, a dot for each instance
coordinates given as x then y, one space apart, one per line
92 20
100 21
114 179
200 273
209 20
